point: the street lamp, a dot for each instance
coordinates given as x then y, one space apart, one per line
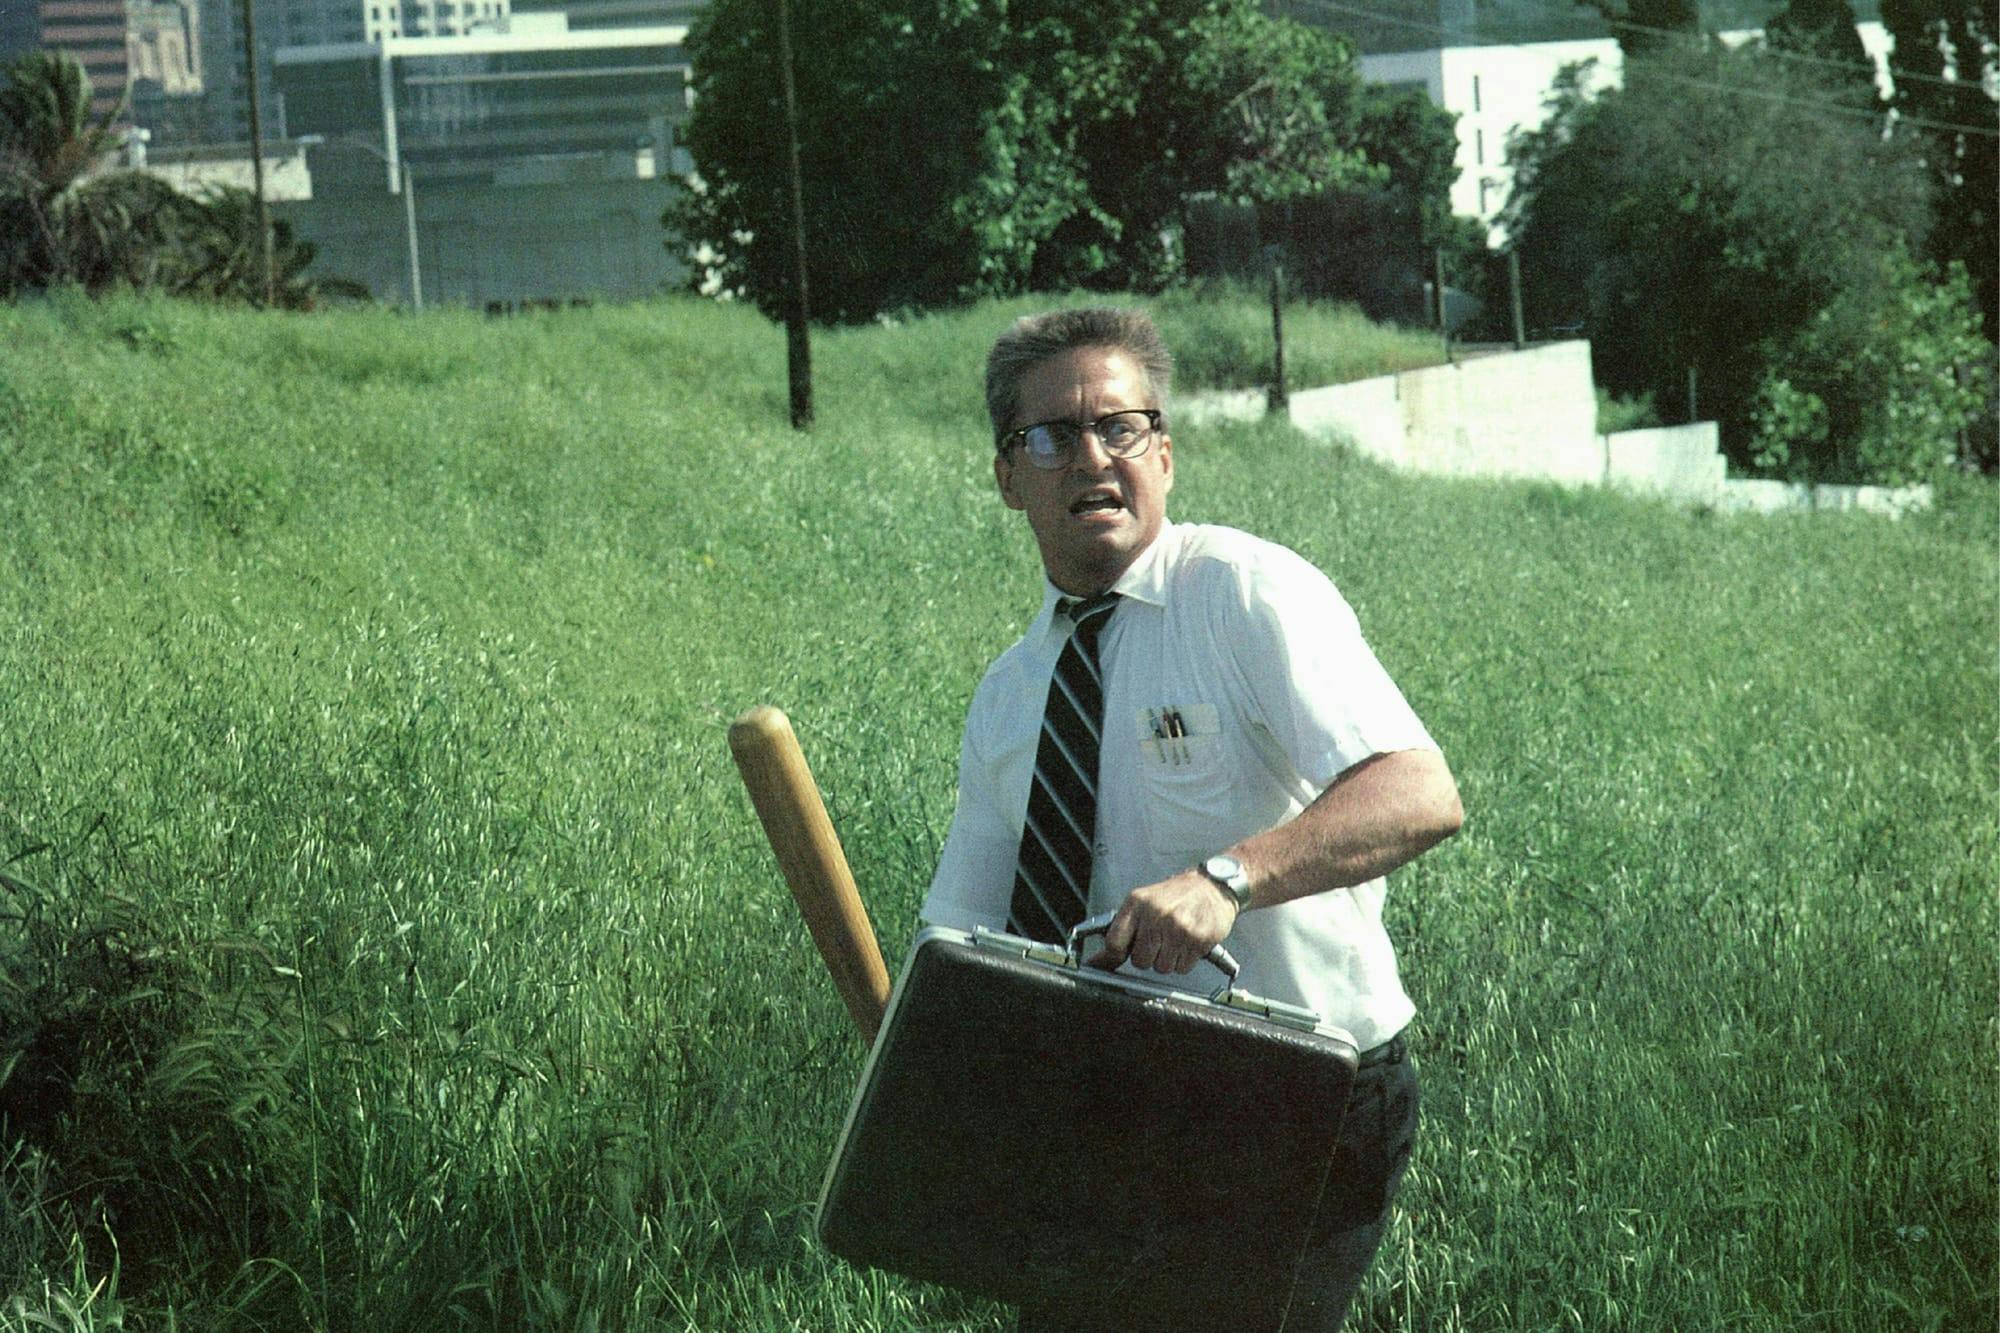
405 185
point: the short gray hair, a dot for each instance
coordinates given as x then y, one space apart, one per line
1033 339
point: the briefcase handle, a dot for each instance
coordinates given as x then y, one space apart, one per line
1220 957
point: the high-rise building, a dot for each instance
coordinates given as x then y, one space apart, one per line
520 161
94 32
20 28
432 18
583 15
163 51
279 23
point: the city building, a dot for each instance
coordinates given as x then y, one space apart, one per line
432 18
529 161
582 15
20 28
163 55
94 32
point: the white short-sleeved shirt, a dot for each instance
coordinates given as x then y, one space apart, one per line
1264 663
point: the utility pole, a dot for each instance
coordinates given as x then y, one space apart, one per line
1444 329
264 259
1277 401
798 343
1514 298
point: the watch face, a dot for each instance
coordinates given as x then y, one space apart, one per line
1222 867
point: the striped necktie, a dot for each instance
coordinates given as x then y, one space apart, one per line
1052 882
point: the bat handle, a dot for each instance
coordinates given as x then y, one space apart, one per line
809 854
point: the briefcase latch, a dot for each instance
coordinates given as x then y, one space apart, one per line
985 938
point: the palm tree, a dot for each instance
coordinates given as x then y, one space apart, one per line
51 149
67 215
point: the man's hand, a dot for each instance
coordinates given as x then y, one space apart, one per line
1169 926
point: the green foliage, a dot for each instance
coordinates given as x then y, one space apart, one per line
1615 414
1893 359
1221 336
1946 68
1663 222
1415 141
380 731
1646 27
66 217
1824 30
1061 156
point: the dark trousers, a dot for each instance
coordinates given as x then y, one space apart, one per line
1374 1151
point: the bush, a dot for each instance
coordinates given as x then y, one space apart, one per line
1739 238
1880 385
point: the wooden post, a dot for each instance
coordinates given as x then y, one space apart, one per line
1444 329
798 342
1277 400
257 153
1514 298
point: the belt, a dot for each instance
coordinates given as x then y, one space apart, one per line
1389 1052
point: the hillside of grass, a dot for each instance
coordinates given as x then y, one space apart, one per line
388 943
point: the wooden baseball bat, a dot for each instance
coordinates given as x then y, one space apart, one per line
788 803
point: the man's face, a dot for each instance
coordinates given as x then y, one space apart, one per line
1096 513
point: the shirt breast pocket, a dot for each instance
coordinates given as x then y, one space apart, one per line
1184 778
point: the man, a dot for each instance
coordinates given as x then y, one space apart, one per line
1213 752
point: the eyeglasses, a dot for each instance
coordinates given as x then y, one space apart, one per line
1052 444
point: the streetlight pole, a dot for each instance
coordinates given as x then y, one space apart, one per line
409 189
405 187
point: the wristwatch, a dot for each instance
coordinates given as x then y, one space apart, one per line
1227 872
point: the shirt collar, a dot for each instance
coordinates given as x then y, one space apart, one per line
1144 580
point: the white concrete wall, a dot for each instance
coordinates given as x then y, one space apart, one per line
1683 462
1527 414
1756 496
1533 414
286 179
1367 413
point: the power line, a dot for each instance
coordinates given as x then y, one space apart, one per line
1950 127
1846 66
1810 104
1609 22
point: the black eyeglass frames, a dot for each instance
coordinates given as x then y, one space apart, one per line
1052 444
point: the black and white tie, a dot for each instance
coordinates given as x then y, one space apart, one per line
1052 882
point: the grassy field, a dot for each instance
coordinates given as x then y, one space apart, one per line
388 943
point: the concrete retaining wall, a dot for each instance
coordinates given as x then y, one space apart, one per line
1528 414
1534 414
1745 496
1680 462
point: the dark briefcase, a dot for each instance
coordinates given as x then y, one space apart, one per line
1041 1132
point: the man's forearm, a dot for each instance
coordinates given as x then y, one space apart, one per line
1378 815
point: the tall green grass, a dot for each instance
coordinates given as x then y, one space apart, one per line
388 944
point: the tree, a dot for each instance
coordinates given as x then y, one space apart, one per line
1944 68
1647 26
1659 216
68 216
1062 152
1214 98
1824 30
50 146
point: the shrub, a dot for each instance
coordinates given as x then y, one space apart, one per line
1879 385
